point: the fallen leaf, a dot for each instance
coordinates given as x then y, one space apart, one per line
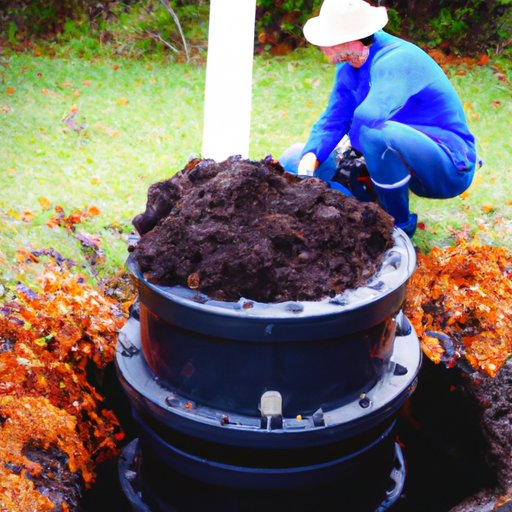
111 132
438 56
93 211
88 240
483 60
24 255
44 202
27 216
11 212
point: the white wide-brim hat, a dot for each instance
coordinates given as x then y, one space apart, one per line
341 21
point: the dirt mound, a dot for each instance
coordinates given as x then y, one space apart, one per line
242 228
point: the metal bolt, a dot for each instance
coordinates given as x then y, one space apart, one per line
172 401
364 402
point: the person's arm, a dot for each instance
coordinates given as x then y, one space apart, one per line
335 121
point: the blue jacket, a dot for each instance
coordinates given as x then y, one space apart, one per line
398 82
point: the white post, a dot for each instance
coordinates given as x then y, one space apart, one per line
228 88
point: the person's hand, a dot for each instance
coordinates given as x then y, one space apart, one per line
307 165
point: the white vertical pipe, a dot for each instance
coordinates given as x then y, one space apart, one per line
228 87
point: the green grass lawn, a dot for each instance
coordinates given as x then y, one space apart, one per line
97 133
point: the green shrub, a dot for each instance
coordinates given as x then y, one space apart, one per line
279 23
41 18
462 26
141 27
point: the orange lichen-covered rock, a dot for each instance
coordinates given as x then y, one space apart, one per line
48 409
460 303
29 421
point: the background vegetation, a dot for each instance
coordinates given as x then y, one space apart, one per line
135 27
98 100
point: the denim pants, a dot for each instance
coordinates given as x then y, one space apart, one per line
394 151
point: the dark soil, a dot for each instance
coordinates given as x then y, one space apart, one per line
242 228
457 432
62 486
492 398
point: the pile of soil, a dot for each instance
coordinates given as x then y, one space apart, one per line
243 228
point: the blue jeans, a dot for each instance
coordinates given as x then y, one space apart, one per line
394 151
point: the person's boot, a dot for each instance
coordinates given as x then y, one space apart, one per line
352 173
396 202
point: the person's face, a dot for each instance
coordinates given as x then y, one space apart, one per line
353 52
